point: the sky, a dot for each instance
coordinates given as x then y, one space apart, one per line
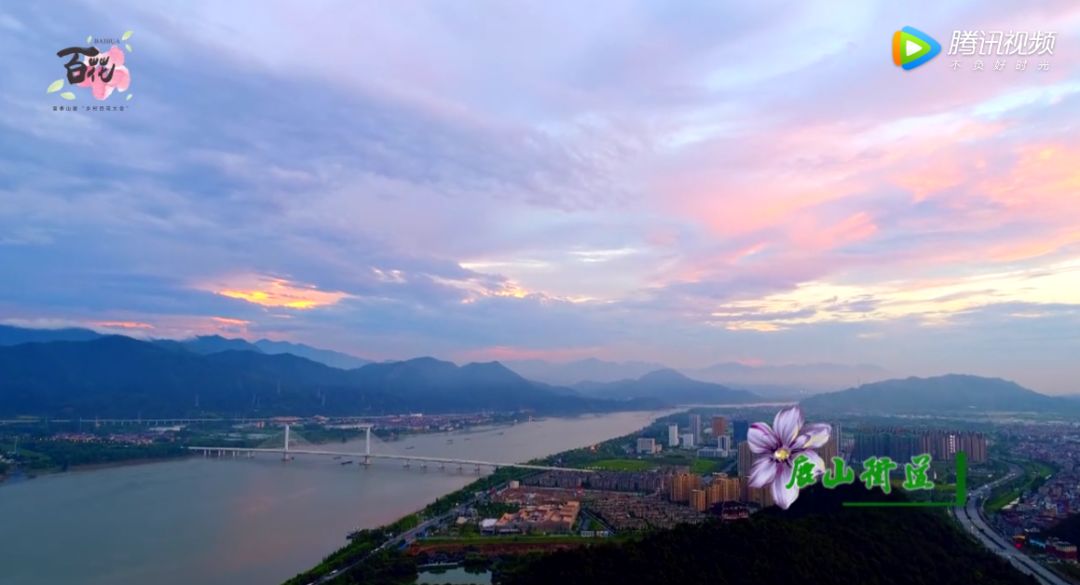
688 183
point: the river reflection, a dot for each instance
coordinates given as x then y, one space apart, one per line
244 521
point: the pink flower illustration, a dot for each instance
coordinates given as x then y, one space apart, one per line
776 448
100 82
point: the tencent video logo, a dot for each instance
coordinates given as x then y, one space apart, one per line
912 47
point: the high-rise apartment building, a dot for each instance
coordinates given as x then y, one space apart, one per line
698 500
719 426
695 428
901 444
723 489
682 484
739 429
723 444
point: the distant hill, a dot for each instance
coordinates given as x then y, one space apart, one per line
586 370
10 335
203 344
790 379
207 344
772 380
951 393
666 385
815 541
120 376
335 359
774 393
439 385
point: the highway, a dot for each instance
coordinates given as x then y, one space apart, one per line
971 518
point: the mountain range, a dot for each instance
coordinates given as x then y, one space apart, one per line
794 378
773 381
205 344
121 376
79 371
586 370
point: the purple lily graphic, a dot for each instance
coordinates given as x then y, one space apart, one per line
776 448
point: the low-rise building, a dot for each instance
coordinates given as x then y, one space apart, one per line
646 446
1061 549
544 519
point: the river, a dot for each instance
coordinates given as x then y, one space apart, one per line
244 521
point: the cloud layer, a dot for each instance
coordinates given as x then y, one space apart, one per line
687 183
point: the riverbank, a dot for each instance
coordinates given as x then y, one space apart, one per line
168 523
362 550
24 475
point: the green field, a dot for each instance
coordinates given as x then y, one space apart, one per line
697 465
1035 473
1000 499
621 465
704 466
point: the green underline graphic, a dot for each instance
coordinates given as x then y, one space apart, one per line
961 492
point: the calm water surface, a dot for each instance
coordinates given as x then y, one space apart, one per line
244 521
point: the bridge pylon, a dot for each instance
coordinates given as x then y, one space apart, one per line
367 441
285 451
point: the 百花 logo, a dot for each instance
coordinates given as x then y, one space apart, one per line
100 70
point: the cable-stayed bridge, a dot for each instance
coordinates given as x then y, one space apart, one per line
366 457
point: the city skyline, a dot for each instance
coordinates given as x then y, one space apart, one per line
685 185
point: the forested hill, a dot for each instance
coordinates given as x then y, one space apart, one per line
952 393
816 541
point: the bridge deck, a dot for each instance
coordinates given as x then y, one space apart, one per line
418 458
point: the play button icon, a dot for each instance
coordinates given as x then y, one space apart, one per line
912 47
